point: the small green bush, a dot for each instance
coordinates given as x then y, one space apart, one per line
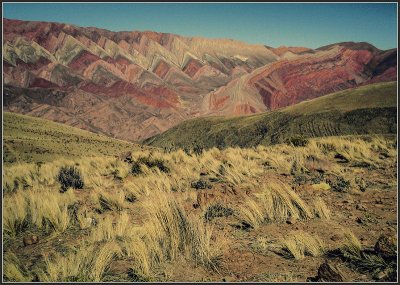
70 176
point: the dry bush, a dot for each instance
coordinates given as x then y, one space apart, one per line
299 243
166 234
13 270
275 203
351 244
112 199
110 228
49 209
236 169
14 213
251 212
44 208
85 264
321 210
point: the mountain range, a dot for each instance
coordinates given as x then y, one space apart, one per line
134 85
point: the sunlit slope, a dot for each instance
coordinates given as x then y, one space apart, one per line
370 109
29 139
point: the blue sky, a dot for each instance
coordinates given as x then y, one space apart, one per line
310 25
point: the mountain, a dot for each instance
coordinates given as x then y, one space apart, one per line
133 85
370 109
302 76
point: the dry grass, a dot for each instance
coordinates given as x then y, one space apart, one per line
14 213
113 199
49 209
321 210
85 264
299 244
171 232
13 271
351 244
164 231
110 228
45 208
275 203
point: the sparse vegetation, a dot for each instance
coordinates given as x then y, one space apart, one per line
147 222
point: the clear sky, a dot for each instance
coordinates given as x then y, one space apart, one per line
310 25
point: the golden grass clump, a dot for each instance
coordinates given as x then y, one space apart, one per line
49 209
236 169
251 212
167 233
299 243
113 199
46 208
321 210
110 228
275 203
171 232
13 270
351 244
14 213
85 264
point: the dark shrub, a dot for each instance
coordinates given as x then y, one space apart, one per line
198 148
338 184
298 141
217 210
200 184
70 176
134 276
136 169
160 164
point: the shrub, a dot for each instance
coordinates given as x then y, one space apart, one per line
198 148
217 210
150 163
298 244
200 184
70 176
297 141
339 184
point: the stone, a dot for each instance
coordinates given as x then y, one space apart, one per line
291 221
361 207
30 239
335 237
328 272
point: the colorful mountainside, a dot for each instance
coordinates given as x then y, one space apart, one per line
133 85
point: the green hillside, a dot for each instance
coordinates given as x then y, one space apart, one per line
29 139
370 109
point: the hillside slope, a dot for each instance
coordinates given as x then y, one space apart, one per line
363 110
28 139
